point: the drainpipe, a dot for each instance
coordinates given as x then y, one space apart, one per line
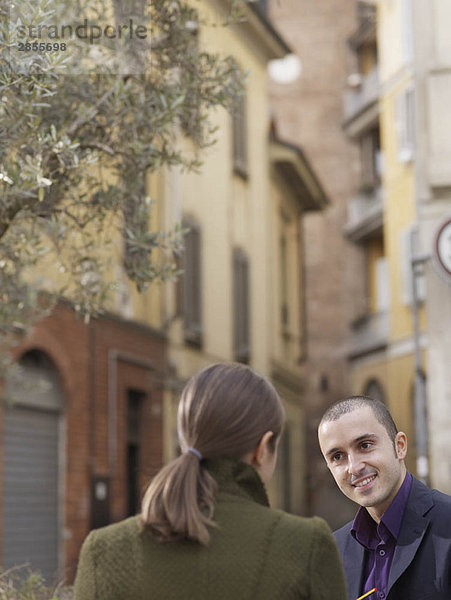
420 401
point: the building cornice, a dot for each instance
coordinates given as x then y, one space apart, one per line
294 168
255 28
273 39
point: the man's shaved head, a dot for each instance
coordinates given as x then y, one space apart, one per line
347 405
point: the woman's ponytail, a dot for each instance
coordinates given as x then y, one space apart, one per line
179 502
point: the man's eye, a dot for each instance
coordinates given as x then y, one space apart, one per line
336 457
366 445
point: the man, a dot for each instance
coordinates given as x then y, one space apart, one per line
400 539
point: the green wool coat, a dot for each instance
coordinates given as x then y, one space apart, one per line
255 553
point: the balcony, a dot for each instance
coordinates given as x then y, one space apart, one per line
368 334
361 102
365 215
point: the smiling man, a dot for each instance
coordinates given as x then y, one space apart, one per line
400 539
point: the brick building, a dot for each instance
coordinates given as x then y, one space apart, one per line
309 110
81 434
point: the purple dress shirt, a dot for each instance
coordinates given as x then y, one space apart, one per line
380 539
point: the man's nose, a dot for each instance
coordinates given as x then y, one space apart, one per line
355 464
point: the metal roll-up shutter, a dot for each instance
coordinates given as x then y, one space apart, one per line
31 465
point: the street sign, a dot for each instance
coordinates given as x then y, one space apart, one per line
442 248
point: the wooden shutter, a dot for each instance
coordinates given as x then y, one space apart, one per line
241 307
192 285
239 135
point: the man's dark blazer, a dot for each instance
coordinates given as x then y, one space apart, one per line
421 567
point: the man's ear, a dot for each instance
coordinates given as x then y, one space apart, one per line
401 444
263 448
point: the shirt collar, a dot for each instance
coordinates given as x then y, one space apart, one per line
364 527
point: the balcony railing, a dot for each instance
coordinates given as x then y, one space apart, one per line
368 334
365 214
362 96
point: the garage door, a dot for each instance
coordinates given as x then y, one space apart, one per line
31 442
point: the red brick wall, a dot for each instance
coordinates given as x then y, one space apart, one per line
89 357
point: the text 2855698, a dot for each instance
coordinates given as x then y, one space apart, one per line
41 46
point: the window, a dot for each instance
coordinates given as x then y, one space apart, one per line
407 39
382 284
189 291
284 309
239 137
405 124
374 390
408 237
378 281
370 152
241 341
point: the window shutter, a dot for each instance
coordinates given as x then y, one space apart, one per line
406 273
405 124
284 310
241 307
192 291
407 33
239 137
383 284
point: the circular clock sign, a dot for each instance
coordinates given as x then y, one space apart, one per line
442 247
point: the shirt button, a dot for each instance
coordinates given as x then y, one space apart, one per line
381 594
382 552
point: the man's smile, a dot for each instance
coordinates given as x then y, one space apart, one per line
365 481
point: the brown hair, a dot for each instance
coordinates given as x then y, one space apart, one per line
224 411
351 403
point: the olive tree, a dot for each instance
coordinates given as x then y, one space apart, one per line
83 121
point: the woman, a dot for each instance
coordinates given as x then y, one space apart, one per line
206 530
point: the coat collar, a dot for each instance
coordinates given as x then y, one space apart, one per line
413 528
236 477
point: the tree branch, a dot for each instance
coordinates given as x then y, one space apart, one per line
99 146
92 113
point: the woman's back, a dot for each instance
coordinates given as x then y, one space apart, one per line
254 553
206 531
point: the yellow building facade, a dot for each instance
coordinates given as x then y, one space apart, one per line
240 296
382 341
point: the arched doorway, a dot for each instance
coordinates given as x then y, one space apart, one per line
374 390
32 416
